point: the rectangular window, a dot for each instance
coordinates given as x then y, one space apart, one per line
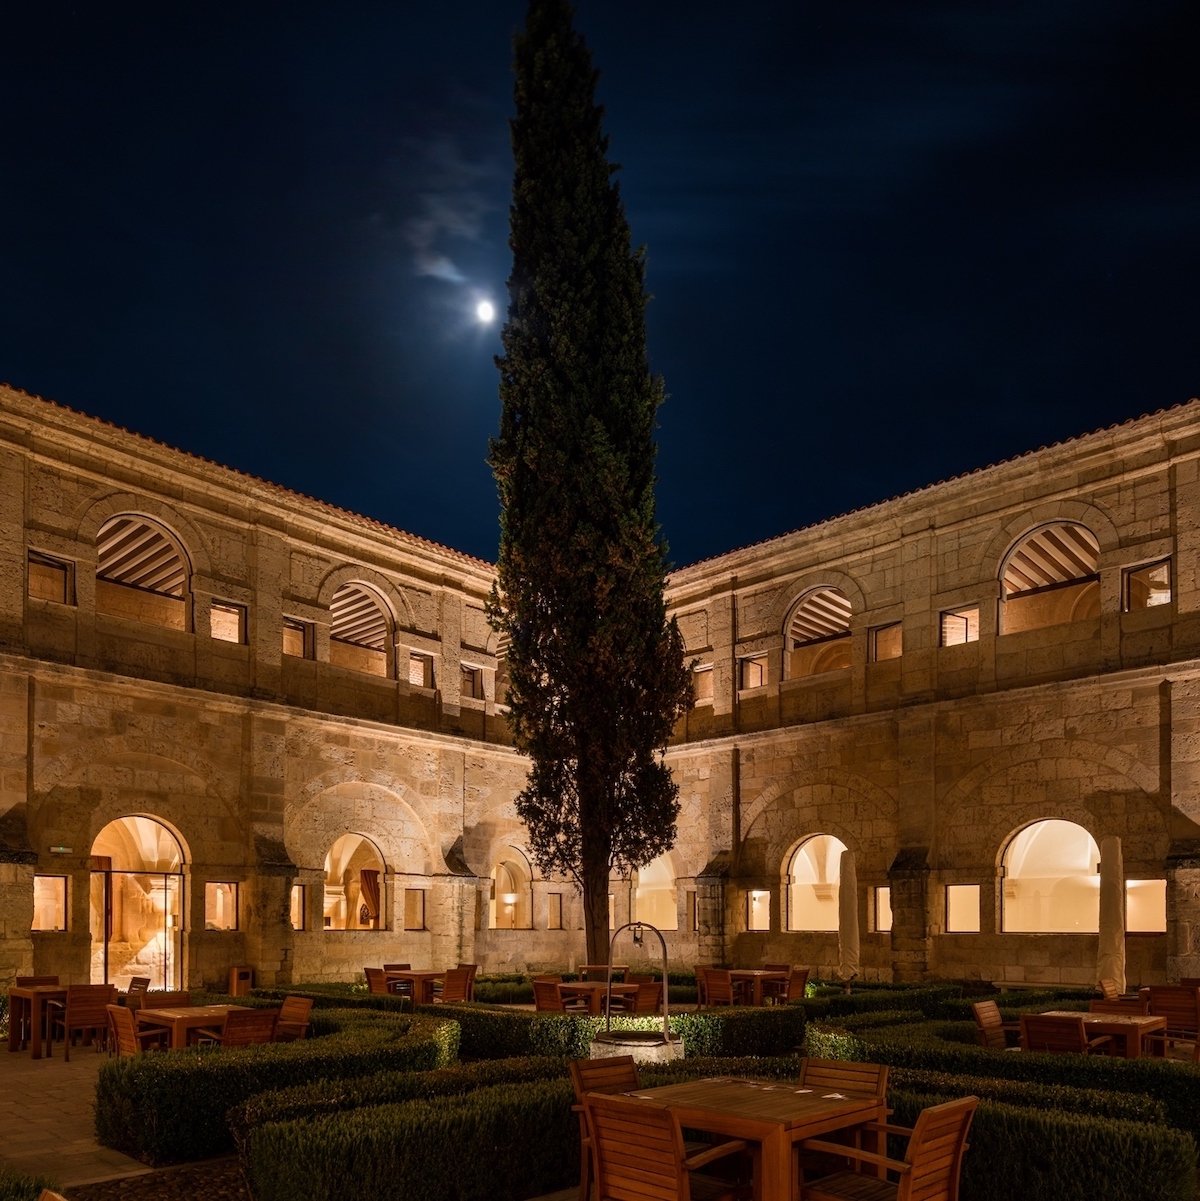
959 626
414 909
758 909
50 579
296 907
962 908
702 685
752 671
692 919
420 671
472 682
883 910
612 912
554 911
49 903
297 638
887 642
228 621
1146 906
220 905
1149 586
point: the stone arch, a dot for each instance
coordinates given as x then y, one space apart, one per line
791 596
1021 524
399 609
92 514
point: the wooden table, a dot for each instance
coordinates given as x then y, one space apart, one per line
594 991
773 1115
421 981
179 1020
27 1004
1127 1028
755 976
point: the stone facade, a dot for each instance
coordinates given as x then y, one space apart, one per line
116 702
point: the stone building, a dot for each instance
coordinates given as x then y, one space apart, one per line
239 726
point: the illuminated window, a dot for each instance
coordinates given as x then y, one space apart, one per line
654 897
883 910
142 573
353 898
818 634
1149 586
752 671
50 579
1146 906
554 919
296 908
228 621
758 909
512 893
414 909
692 918
49 903
959 626
814 879
472 682
360 627
1050 577
887 642
612 912
962 908
220 906
702 685
1051 880
420 671
297 638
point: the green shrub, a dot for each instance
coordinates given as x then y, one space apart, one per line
16 1186
171 1108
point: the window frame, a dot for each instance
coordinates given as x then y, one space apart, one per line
230 608
55 562
307 632
759 660
875 631
962 612
954 888
63 901
298 892
235 885
1129 573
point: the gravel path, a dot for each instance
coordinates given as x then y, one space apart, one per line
216 1180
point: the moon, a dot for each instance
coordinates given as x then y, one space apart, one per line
485 311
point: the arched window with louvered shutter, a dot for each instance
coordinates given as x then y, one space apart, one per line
142 572
817 637
1049 577
360 630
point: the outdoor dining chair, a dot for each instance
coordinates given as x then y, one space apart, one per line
127 1039
1060 1034
243 1028
378 983
547 998
991 1030
930 1169
789 991
1180 1005
838 1075
31 982
175 998
293 1019
85 1012
721 989
456 987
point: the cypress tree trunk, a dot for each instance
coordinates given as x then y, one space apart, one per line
596 672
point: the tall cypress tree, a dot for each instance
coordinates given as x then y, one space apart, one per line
597 678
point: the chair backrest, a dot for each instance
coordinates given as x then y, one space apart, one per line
1179 1004
295 1009
472 968
649 996
1109 989
989 1025
34 981
172 999
718 986
545 996
935 1151
87 1006
456 986
1056 1033
50 1195
1121 1005
596 971
244 1027
124 1028
1190 981
701 992
637 1150
377 981
777 967
870 1078
616 1074
397 967
797 983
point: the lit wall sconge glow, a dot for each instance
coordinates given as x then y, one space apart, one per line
62 850
509 898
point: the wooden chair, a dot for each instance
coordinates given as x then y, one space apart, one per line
293 1019
50 1195
789 991
1060 1034
616 1074
648 998
401 988
243 1028
838 1075
547 998
701 994
127 1039
165 999
1121 1005
930 1169
720 988
1180 1005
85 1013
1109 989
638 1152
773 991
473 968
991 1030
455 987
379 985
31 982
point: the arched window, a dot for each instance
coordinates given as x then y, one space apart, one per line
359 630
654 899
814 876
512 892
354 885
137 903
1051 880
142 572
1050 577
818 634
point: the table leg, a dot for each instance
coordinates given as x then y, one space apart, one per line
773 1173
18 1015
35 1028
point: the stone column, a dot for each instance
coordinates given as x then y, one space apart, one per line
911 942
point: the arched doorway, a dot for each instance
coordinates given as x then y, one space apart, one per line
814 882
353 874
654 899
1051 880
137 904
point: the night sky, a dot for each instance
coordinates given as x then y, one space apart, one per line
887 242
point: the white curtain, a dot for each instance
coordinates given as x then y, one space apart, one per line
848 919
1110 955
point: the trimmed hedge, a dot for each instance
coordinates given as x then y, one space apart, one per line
171 1108
16 1186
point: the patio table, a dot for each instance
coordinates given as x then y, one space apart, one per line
421 982
185 1018
755 977
27 1005
772 1115
593 991
1127 1028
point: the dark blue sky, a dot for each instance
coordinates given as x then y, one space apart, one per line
887 242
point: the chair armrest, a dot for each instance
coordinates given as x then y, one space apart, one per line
849 1151
712 1153
207 1032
